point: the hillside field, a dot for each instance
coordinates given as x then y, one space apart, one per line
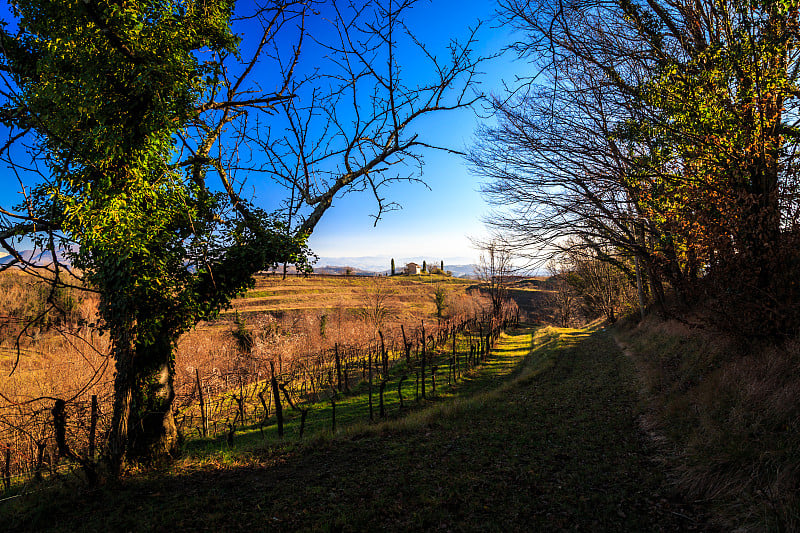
541 437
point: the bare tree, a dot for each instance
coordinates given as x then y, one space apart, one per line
494 269
346 122
352 127
376 296
603 288
652 127
562 297
553 162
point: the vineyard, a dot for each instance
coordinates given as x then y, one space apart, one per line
266 366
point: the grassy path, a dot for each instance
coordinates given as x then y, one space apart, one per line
544 438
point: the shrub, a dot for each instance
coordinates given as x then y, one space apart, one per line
439 295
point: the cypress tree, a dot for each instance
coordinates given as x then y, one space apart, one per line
392 266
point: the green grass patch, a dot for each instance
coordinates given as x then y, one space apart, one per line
541 438
352 409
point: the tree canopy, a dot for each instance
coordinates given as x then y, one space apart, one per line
667 130
138 119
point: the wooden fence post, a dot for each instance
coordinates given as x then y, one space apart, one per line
400 389
416 381
422 362
406 346
277 397
384 356
203 417
382 412
369 386
60 424
303 414
333 414
455 357
338 367
242 407
7 468
93 427
264 404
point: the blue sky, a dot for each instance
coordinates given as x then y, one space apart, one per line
436 222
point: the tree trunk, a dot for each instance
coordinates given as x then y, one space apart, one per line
369 384
153 434
143 427
118 439
656 288
422 361
338 367
639 286
384 356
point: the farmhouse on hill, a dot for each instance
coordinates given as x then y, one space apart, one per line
413 268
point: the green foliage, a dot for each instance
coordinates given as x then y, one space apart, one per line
666 133
108 87
716 176
439 296
392 266
242 336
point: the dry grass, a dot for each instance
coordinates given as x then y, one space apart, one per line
322 294
47 346
47 352
339 311
296 315
732 414
305 315
287 319
541 438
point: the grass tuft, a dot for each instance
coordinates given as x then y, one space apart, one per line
731 415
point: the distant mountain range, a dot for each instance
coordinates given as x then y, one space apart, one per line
36 257
459 266
345 270
461 271
366 265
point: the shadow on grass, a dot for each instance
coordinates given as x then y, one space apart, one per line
547 445
352 409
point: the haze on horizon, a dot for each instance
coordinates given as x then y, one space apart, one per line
438 217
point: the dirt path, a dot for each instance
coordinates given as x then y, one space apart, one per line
556 450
